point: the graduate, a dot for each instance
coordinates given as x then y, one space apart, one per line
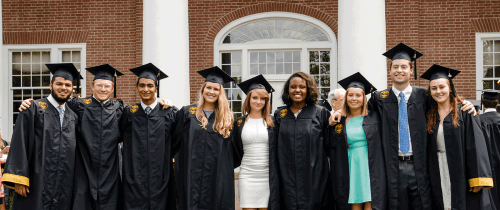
147 167
97 180
357 163
302 147
490 125
202 137
253 139
41 161
459 165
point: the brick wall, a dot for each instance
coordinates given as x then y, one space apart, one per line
112 30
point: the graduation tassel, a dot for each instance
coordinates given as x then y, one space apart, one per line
415 64
114 81
158 91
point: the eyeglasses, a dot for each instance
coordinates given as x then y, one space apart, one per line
106 87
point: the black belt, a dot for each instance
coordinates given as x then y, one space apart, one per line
406 158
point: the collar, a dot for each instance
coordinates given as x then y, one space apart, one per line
406 92
490 110
153 105
54 102
99 100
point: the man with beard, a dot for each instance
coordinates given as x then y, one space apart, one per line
41 161
97 180
147 167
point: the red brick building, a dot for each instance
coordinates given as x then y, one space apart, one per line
245 37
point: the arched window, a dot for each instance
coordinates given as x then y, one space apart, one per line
275 44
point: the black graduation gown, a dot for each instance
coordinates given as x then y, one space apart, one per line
97 181
490 125
302 150
468 161
339 164
206 169
147 155
42 155
385 103
238 125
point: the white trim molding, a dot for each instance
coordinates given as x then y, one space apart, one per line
479 58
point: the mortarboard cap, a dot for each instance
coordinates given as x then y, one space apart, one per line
403 51
441 72
105 71
215 75
150 71
357 80
490 94
258 82
66 71
323 102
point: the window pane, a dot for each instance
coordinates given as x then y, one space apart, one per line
313 68
254 57
26 81
37 94
296 67
16 69
279 68
226 58
279 56
325 68
45 70
487 59
497 45
227 69
26 69
497 58
487 84
271 68
288 68
16 81
262 57
271 57
262 68
18 95
296 56
288 56
26 94
36 81
254 69
313 56
36 57
46 57
45 80
26 57
497 71
16 57
325 56
15 106
236 71
236 57
487 45
66 56
36 68
487 71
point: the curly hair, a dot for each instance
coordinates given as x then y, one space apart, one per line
312 89
223 116
432 113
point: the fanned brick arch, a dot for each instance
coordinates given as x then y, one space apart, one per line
206 21
271 7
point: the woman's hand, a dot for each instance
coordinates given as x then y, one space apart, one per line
22 190
335 118
166 103
475 189
25 104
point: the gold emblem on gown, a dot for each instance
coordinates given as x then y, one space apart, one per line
134 108
283 112
239 122
192 110
87 101
42 104
384 94
338 128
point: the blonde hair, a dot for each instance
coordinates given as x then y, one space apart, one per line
223 116
266 110
346 111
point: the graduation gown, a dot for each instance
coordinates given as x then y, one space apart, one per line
147 155
339 164
468 162
97 180
385 103
490 125
42 156
302 150
206 169
238 153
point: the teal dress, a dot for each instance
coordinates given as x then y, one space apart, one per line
359 174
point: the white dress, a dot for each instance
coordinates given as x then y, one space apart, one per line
443 169
253 180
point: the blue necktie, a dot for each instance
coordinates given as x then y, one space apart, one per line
61 114
404 132
148 110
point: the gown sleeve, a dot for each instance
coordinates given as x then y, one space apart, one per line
274 180
237 143
178 130
22 146
477 159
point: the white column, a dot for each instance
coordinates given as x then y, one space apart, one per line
362 39
4 116
166 45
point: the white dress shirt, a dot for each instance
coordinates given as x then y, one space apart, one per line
99 100
55 104
153 105
407 94
490 110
